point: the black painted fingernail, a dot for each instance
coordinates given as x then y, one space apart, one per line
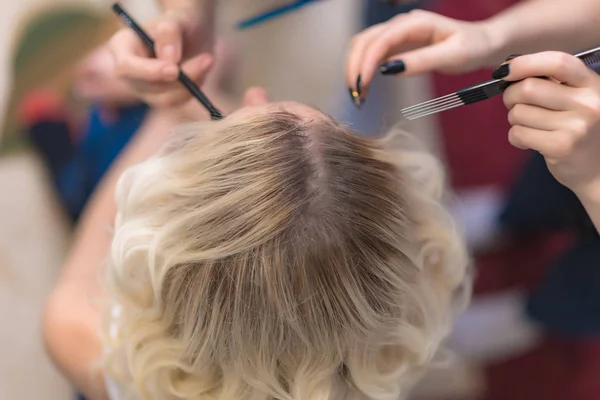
356 94
355 98
501 72
352 96
512 57
392 67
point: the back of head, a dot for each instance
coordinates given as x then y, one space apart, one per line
277 258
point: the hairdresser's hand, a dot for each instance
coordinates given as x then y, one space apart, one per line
183 35
95 80
414 43
560 120
193 111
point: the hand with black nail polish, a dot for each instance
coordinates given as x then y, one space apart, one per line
183 37
558 117
504 69
442 44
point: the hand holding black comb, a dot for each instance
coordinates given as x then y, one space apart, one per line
215 114
483 91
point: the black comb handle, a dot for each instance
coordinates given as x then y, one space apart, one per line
592 60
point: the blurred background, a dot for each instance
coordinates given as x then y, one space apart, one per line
531 330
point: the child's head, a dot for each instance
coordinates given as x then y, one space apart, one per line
275 255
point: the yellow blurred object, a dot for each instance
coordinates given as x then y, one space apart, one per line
49 42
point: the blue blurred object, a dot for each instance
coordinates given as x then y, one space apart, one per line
274 13
539 203
378 11
567 300
100 146
370 120
382 9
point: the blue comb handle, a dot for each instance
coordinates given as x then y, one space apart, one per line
274 13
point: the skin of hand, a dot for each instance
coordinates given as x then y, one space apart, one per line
71 320
426 42
183 36
423 41
213 88
558 117
95 80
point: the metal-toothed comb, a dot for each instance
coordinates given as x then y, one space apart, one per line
482 91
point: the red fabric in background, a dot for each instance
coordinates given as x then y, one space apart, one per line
476 136
558 369
478 153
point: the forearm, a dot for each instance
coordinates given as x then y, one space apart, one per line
70 331
591 202
72 318
202 5
539 25
202 13
594 213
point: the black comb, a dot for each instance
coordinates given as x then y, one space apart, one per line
483 91
194 90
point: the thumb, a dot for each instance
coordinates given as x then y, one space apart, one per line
168 39
255 96
198 67
423 60
562 67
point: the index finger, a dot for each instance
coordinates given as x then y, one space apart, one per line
354 58
413 29
132 61
563 67
146 69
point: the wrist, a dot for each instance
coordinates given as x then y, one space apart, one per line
589 194
590 199
498 40
197 16
201 7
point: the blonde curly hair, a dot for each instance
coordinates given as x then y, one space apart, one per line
277 258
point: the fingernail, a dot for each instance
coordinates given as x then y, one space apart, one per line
353 95
501 72
168 53
357 99
512 57
170 72
392 67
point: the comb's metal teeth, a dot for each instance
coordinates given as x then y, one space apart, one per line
428 102
443 103
467 98
445 106
456 102
451 106
437 110
433 110
431 106
435 107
